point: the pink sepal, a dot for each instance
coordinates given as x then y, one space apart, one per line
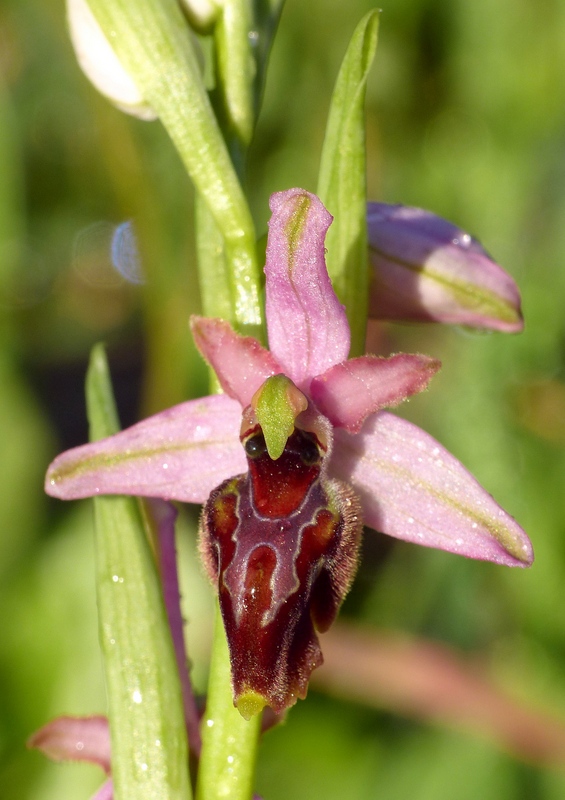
179 454
414 489
75 739
347 393
240 362
308 328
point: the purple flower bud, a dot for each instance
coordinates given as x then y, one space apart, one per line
425 268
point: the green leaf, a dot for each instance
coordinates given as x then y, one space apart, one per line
152 40
342 180
149 748
267 16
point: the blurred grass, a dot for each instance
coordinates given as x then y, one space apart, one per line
466 116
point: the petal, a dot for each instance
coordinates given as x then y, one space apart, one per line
240 362
308 328
349 392
426 268
106 791
75 739
180 454
412 488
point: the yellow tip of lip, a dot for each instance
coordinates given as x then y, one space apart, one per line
250 703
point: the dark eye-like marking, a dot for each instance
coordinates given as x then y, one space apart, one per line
309 452
255 446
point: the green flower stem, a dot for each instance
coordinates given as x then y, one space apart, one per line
151 39
235 69
342 180
147 728
229 742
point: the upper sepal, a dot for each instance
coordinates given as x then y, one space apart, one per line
308 328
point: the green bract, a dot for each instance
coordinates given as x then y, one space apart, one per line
342 182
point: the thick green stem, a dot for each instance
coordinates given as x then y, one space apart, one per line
229 742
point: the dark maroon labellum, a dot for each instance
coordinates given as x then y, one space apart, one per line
281 544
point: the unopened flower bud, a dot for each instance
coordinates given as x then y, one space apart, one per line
425 268
201 13
100 63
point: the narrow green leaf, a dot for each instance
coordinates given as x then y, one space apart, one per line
151 38
149 748
229 742
267 15
342 180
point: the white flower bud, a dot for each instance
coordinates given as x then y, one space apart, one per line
201 13
100 63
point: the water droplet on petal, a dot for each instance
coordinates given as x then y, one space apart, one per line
464 241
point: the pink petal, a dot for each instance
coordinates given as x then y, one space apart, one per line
75 739
412 488
180 454
240 362
426 268
308 328
106 791
349 392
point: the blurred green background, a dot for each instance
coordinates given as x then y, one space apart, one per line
466 117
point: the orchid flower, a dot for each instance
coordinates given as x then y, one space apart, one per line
320 457
427 269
